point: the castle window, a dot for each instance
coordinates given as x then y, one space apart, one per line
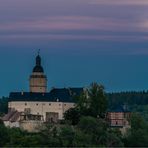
37 104
49 104
25 104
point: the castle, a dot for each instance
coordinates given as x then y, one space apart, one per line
27 110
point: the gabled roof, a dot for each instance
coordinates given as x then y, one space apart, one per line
55 95
121 108
9 115
12 116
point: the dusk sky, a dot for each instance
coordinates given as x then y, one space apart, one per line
81 41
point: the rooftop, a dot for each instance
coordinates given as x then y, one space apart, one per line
121 108
55 95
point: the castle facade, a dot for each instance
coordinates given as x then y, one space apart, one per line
30 109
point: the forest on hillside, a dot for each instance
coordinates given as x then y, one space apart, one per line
130 98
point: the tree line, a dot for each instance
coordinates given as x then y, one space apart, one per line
130 98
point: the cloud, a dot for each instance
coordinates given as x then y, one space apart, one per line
144 24
119 2
75 28
64 37
62 22
71 23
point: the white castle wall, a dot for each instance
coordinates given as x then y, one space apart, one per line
40 108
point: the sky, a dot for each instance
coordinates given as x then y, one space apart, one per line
81 41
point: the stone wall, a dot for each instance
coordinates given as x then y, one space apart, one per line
31 126
41 108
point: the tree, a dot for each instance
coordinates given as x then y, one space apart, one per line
93 101
66 136
137 122
98 100
1 122
138 134
99 134
72 115
91 125
3 105
4 135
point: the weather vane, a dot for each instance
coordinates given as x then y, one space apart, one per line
38 51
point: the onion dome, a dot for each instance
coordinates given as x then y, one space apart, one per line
38 67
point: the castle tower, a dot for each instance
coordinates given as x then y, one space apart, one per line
38 81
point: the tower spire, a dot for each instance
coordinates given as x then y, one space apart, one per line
38 67
38 51
38 59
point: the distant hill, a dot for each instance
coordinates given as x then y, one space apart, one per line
129 98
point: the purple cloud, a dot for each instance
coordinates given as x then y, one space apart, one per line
80 20
43 27
119 2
